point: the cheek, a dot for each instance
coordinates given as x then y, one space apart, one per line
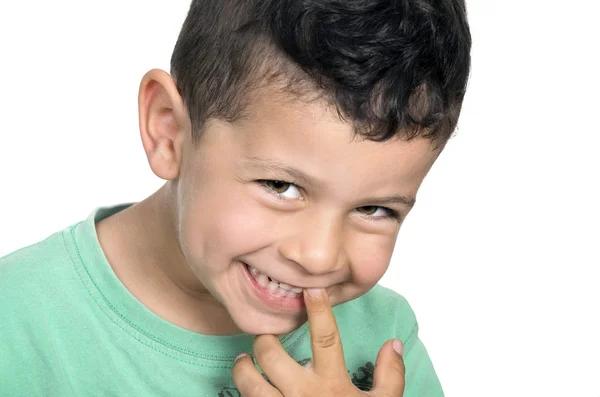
221 229
370 257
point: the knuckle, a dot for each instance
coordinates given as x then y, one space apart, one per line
326 340
398 366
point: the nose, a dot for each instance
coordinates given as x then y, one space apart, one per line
315 243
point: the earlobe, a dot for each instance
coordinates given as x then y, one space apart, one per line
163 123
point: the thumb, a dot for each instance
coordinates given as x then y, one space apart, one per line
388 379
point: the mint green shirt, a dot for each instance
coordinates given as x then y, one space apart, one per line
68 327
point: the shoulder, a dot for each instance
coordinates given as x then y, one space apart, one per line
33 301
381 311
34 267
34 254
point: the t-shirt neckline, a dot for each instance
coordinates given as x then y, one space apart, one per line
127 312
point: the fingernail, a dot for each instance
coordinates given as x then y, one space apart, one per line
397 345
314 292
240 356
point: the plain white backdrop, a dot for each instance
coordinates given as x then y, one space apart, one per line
500 257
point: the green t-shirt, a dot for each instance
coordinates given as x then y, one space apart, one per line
69 327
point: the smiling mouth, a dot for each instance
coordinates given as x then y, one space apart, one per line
276 288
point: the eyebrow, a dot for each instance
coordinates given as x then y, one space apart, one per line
276 166
407 201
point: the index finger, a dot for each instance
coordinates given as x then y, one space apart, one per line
326 344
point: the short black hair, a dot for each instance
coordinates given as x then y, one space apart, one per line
391 67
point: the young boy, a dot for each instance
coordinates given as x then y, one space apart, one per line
293 136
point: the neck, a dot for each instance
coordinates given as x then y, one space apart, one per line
141 245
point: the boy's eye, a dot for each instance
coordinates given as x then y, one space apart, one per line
368 210
284 189
378 212
287 190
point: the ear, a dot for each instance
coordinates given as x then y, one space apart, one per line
164 123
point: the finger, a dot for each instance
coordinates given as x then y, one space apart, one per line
249 382
388 379
328 355
283 371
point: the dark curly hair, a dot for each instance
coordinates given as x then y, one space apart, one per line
390 67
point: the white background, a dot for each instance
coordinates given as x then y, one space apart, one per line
499 257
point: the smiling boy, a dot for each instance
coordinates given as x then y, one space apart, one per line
293 136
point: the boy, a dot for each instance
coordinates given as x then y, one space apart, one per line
293 136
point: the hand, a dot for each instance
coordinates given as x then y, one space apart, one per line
327 375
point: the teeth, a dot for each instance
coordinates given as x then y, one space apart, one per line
274 286
281 292
262 279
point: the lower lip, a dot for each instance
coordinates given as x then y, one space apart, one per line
271 300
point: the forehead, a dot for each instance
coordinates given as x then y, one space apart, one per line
310 136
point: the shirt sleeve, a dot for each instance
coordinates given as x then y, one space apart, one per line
421 379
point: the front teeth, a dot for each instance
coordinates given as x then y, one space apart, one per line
262 279
274 286
288 287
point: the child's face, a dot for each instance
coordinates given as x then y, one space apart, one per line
327 223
